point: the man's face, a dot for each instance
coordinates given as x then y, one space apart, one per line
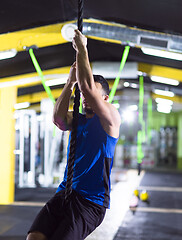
86 107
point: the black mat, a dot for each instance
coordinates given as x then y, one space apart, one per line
155 225
162 179
150 226
15 221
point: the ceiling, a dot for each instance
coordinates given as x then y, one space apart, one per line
38 22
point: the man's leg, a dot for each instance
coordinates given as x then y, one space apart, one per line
81 218
48 219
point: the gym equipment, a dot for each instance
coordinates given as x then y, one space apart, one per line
25 151
134 200
72 149
136 192
149 120
133 203
144 196
141 133
40 157
39 71
123 61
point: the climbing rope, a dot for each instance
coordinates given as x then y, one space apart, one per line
76 105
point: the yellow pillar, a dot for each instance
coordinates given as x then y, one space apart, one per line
7 144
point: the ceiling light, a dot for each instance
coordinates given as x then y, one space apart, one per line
19 82
164 101
8 54
21 105
59 77
164 105
165 80
57 81
126 84
133 107
164 109
161 53
163 93
133 85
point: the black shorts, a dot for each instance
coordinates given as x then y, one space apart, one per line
72 221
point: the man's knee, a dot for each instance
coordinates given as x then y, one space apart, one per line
36 236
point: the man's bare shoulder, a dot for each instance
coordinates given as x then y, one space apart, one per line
111 123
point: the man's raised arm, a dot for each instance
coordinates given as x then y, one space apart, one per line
62 118
108 114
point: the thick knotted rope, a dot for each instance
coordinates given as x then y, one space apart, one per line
73 145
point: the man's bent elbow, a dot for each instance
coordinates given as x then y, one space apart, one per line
59 123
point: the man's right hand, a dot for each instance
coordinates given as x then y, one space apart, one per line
79 41
72 75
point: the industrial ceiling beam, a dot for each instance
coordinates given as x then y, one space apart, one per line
51 35
41 36
37 97
31 79
96 29
155 70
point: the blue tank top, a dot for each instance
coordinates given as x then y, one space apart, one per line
93 161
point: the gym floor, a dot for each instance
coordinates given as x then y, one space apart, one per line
159 218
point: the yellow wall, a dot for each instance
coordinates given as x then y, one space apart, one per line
7 144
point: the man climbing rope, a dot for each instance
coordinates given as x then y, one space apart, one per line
97 134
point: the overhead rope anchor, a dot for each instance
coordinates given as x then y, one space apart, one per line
30 47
